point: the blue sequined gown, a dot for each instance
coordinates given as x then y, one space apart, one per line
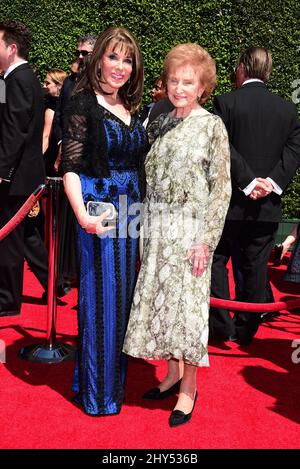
107 274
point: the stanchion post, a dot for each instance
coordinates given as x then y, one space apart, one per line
51 352
54 185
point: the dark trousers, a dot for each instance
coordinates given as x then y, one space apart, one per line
255 240
35 251
23 241
11 254
237 263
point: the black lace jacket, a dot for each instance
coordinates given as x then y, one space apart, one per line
84 144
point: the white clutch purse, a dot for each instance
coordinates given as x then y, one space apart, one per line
97 208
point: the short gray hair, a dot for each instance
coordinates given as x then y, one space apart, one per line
90 38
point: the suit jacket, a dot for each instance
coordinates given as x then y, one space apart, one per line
2 94
21 131
264 134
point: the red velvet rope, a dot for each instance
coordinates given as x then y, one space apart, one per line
22 212
255 307
214 302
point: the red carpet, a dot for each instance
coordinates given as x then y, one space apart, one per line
248 398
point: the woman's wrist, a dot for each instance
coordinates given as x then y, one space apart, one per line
83 219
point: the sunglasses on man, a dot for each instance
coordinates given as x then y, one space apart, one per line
84 53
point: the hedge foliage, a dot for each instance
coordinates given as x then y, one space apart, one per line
224 27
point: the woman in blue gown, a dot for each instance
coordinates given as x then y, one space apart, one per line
103 148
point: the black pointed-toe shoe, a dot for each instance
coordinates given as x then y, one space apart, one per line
178 417
157 394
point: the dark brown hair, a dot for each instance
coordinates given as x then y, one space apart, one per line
131 91
15 32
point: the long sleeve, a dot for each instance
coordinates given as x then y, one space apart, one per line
74 136
84 143
15 117
290 159
219 183
241 173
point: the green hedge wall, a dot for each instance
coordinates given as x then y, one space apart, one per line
224 27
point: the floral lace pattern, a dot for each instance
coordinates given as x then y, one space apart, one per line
188 172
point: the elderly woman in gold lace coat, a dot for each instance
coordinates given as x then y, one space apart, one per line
188 193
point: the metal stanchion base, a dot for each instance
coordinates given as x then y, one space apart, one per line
42 353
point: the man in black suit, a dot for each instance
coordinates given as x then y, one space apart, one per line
264 134
21 162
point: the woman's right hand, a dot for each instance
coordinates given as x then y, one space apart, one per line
94 225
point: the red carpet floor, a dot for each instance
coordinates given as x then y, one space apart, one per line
248 397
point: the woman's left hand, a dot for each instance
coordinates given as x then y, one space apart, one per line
199 257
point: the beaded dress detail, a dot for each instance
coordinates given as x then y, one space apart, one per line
107 266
